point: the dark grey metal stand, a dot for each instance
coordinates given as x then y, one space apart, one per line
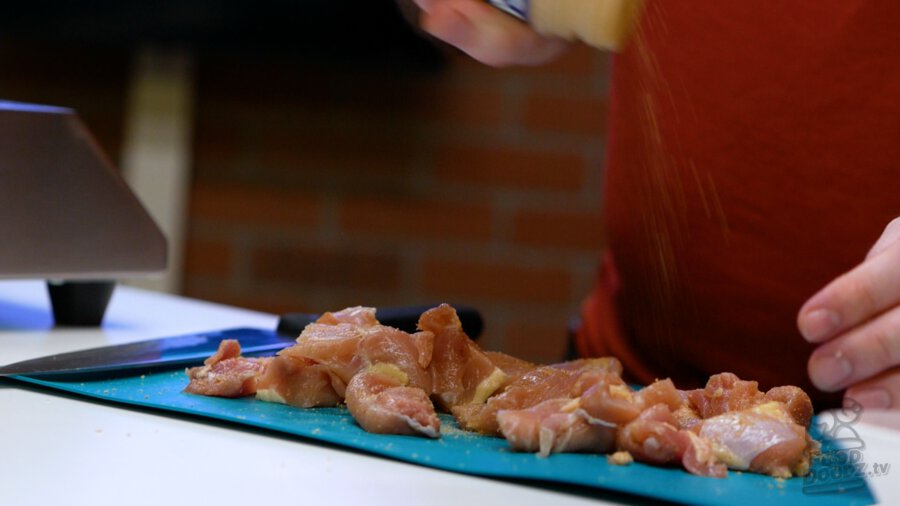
79 303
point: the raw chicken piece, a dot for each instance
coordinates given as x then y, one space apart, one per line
228 348
611 400
334 346
410 353
553 426
424 342
462 373
606 364
332 341
661 392
654 438
659 425
687 418
514 368
226 373
357 315
390 394
797 402
723 393
763 439
336 341
726 392
317 370
380 402
561 381
386 376
607 398
381 372
297 381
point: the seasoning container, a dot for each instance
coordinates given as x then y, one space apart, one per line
604 24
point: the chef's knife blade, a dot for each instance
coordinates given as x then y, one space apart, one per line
153 354
181 351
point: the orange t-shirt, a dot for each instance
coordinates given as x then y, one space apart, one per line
754 156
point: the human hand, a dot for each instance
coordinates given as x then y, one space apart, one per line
487 34
856 321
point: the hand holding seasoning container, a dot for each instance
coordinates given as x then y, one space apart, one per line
605 24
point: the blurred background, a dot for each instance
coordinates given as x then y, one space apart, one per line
315 154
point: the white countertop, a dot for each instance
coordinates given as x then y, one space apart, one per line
56 449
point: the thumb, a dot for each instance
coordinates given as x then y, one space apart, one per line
487 34
425 5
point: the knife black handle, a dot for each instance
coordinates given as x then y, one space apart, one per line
404 318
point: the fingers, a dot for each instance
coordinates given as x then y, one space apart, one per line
487 34
852 299
889 238
880 392
857 317
862 353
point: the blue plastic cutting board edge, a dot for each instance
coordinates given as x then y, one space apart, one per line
462 451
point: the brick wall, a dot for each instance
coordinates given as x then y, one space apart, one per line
319 186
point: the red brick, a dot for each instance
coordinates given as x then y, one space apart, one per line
215 147
363 150
199 287
464 66
582 114
224 291
207 258
413 218
394 101
323 267
295 92
253 205
444 277
464 106
355 138
257 299
272 302
511 167
559 229
542 343
579 61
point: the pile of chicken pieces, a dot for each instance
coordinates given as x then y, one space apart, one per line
394 382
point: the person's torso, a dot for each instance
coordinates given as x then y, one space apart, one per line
754 156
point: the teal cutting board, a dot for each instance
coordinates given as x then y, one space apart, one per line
465 452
